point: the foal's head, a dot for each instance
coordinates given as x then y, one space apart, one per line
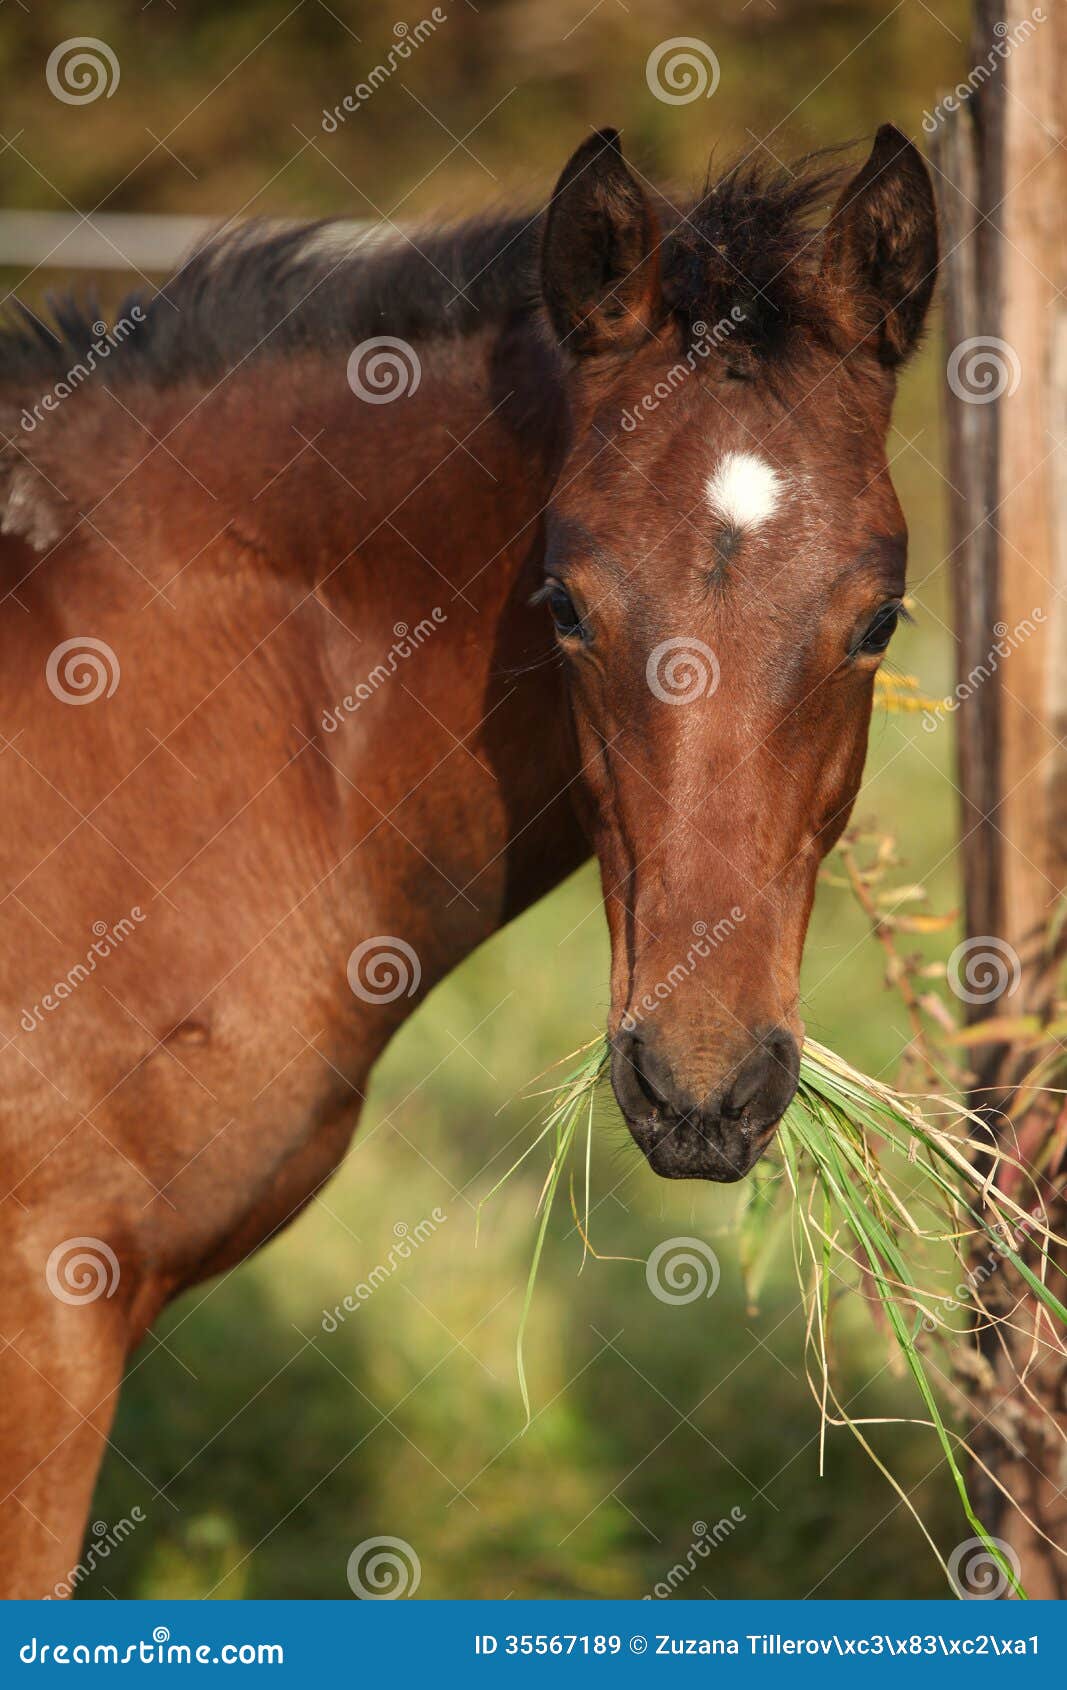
724 567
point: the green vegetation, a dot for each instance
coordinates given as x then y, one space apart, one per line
884 1203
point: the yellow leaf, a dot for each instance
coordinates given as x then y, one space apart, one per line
900 693
925 923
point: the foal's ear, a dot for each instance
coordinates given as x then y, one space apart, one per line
881 242
599 254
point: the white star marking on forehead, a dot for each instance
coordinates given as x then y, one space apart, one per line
744 490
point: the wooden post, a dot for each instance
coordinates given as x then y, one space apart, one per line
1003 191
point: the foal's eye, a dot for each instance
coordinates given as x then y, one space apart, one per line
879 631
563 611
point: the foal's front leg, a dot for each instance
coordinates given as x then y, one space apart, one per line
63 1342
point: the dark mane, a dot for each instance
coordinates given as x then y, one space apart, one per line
265 291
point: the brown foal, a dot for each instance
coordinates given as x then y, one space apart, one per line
350 598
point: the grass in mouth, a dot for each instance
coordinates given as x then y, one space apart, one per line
881 1201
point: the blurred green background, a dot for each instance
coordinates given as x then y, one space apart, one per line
261 1448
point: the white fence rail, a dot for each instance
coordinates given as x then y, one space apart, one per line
153 243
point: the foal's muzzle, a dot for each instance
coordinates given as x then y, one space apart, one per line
719 1136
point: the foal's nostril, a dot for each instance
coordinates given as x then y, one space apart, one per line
643 1071
766 1081
641 1080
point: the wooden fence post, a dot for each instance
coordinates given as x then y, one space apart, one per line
1002 177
